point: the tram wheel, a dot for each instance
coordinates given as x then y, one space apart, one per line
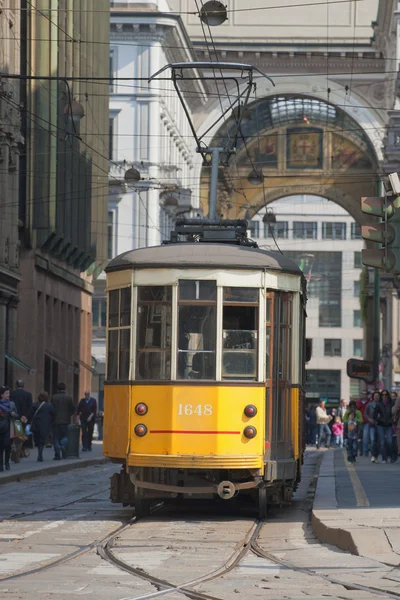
262 503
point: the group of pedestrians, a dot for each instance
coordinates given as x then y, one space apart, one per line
369 426
20 417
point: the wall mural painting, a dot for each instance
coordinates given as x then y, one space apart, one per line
346 155
263 152
304 148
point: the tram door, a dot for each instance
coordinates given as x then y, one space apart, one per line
279 389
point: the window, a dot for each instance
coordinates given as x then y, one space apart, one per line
334 231
119 334
357 348
111 138
356 289
197 329
255 228
239 336
285 336
356 231
357 260
333 347
111 71
110 234
304 230
99 312
357 318
268 350
280 229
154 318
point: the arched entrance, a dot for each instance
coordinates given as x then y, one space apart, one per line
300 144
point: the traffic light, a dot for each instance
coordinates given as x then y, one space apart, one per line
386 233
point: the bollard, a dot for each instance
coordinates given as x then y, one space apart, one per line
100 427
74 432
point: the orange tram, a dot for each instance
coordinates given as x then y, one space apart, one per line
205 369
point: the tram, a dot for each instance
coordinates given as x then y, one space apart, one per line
205 369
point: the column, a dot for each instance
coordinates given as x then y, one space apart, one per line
11 334
3 334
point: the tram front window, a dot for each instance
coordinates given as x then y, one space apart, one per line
240 325
197 311
153 352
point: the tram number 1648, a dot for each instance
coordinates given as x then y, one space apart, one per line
200 410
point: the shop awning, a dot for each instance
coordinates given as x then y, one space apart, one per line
86 366
19 363
70 367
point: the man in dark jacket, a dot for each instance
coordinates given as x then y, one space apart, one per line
23 401
87 409
384 421
64 408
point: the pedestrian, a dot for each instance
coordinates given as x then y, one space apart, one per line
64 408
23 401
41 420
8 412
384 421
87 410
313 425
323 428
353 408
361 405
396 418
337 430
369 437
352 436
342 409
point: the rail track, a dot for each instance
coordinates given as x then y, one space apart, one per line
246 545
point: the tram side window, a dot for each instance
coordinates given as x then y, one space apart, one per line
197 314
268 325
285 337
153 345
119 334
240 333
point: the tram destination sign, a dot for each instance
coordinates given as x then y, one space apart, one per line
360 369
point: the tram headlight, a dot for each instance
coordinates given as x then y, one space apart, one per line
250 432
141 408
250 410
140 430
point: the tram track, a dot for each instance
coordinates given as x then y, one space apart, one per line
248 544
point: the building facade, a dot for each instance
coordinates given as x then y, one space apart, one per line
63 189
11 144
325 241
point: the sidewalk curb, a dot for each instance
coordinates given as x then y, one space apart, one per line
331 526
53 469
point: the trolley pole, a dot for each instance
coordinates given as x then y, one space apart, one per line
215 152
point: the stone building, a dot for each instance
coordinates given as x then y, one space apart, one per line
10 146
63 188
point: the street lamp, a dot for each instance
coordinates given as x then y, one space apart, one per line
132 175
269 216
74 110
213 13
255 177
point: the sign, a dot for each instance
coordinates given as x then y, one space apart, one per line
360 369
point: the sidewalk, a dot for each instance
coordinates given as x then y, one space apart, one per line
29 467
357 507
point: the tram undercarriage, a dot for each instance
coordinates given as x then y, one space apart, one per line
140 486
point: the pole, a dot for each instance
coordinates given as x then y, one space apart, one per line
212 212
376 324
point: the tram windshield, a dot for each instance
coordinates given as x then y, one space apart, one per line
197 314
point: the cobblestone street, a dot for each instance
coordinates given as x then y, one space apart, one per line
206 547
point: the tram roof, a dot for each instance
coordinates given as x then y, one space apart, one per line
203 256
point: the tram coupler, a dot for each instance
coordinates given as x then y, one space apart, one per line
226 490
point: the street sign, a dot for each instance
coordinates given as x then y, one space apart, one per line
360 369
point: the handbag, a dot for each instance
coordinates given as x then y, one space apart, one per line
33 428
19 430
4 425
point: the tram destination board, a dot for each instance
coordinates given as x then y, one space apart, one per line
360 369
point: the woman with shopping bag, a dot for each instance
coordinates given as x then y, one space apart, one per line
41 422
8 413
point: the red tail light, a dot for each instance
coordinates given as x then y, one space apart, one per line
141 408
140 430
250 432
250 410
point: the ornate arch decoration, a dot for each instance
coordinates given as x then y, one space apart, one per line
298 143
